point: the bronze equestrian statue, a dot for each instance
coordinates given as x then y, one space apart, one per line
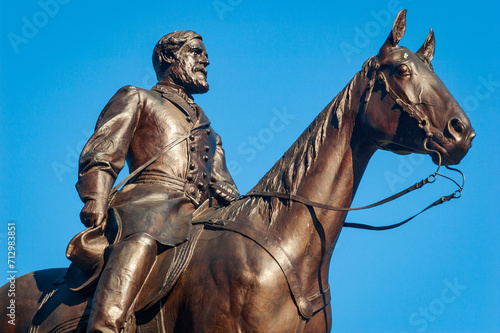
256 263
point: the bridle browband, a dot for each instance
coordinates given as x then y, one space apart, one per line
424 125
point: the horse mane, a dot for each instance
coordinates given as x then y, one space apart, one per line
295 164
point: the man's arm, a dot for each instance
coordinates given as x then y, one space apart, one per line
104 154
222 183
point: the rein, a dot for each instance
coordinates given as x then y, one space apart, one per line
431 179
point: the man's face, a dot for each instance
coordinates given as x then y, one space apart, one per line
189 70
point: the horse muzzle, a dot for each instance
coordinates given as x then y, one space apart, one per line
450 146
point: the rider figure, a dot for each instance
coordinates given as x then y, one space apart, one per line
154 208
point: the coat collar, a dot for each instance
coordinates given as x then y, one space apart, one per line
184 103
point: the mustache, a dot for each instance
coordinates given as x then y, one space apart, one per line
200 68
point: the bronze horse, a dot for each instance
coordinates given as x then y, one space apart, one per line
262 263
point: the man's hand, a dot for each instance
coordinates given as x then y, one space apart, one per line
225 191
94 213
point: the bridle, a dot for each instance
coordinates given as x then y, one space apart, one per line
406 107
424 125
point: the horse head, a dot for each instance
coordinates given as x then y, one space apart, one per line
407 108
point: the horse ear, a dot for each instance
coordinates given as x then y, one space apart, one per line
397 32
429 46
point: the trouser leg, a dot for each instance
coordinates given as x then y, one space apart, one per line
127 267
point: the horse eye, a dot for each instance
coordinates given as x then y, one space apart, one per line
403 70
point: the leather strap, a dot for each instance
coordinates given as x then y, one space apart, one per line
395 225
307 202
136 172
292 197
156 324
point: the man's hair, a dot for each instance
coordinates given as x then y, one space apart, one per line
167 48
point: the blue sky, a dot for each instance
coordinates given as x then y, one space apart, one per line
271 63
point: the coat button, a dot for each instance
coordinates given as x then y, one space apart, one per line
193 147
192 166
208 131
192 190
204 174
205 158
201 185
207 148
189 177
191 137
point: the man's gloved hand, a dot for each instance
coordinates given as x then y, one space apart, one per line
225 191
94 213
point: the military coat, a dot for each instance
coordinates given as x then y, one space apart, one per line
135 126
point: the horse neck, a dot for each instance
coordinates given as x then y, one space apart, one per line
324 165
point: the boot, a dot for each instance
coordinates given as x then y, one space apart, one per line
127 267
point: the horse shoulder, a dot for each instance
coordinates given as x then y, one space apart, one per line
235 282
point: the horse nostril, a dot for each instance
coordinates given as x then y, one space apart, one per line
456 125
458 130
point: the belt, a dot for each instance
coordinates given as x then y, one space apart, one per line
175 183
